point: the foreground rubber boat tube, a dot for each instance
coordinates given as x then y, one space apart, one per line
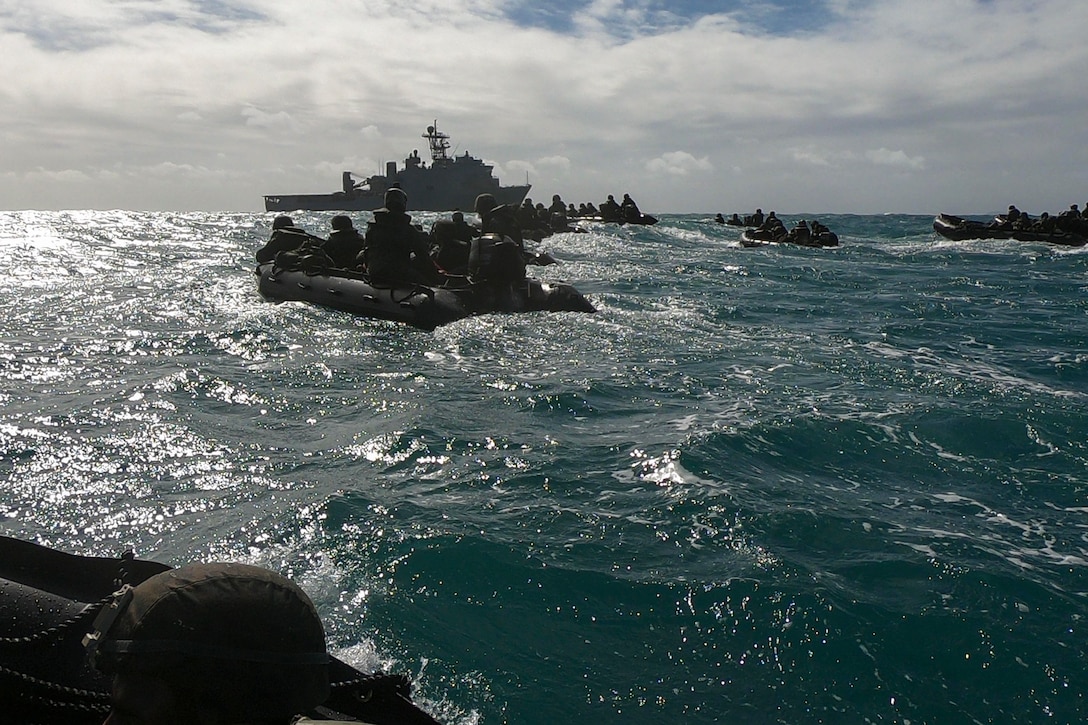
48 602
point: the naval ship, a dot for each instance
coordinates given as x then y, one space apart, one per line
449 183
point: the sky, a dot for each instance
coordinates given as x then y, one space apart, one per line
691 106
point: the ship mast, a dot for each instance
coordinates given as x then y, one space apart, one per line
439 143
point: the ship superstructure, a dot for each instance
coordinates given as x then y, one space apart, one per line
449 183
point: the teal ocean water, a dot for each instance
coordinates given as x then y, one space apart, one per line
759 485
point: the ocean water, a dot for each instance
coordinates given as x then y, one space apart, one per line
770 485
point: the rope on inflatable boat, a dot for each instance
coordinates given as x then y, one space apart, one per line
58 631
98 701
53 695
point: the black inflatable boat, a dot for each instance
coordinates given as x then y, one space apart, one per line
959 229
48 602
759 237
419 306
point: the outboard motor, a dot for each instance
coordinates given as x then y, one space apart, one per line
496 262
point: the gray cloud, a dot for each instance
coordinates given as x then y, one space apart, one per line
885 106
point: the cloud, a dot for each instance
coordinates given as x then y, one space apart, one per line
810 156
370 133
886 157
64 176
559 164
277 120
678 163
521 167
261 89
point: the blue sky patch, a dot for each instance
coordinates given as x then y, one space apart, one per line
774 17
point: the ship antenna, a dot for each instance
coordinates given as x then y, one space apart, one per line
439 142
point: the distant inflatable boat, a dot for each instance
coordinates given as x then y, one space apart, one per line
419 306
640 220
49 600
959 229
760 237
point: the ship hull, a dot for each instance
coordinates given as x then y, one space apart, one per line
419 199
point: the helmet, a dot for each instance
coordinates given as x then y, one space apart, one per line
246 639
396 199
282 221
341 222
484 202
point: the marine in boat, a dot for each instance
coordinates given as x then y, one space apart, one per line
422 306
958 228
61 613
803 235
454 272
449 183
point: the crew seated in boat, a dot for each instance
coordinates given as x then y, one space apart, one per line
451 242
1013 219
344 244
800 234
1023 222
610 210
556 219
1046 223
396 252
498 256
211 643
285 237
774 225
1072 221
290 248
499 219
527 216
629 209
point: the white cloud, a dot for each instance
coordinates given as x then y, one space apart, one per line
928 86
370 133
678 163
64 176
810 156
886 157
279 120
559 164
521 167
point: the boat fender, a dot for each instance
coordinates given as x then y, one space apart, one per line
415 291
540 293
